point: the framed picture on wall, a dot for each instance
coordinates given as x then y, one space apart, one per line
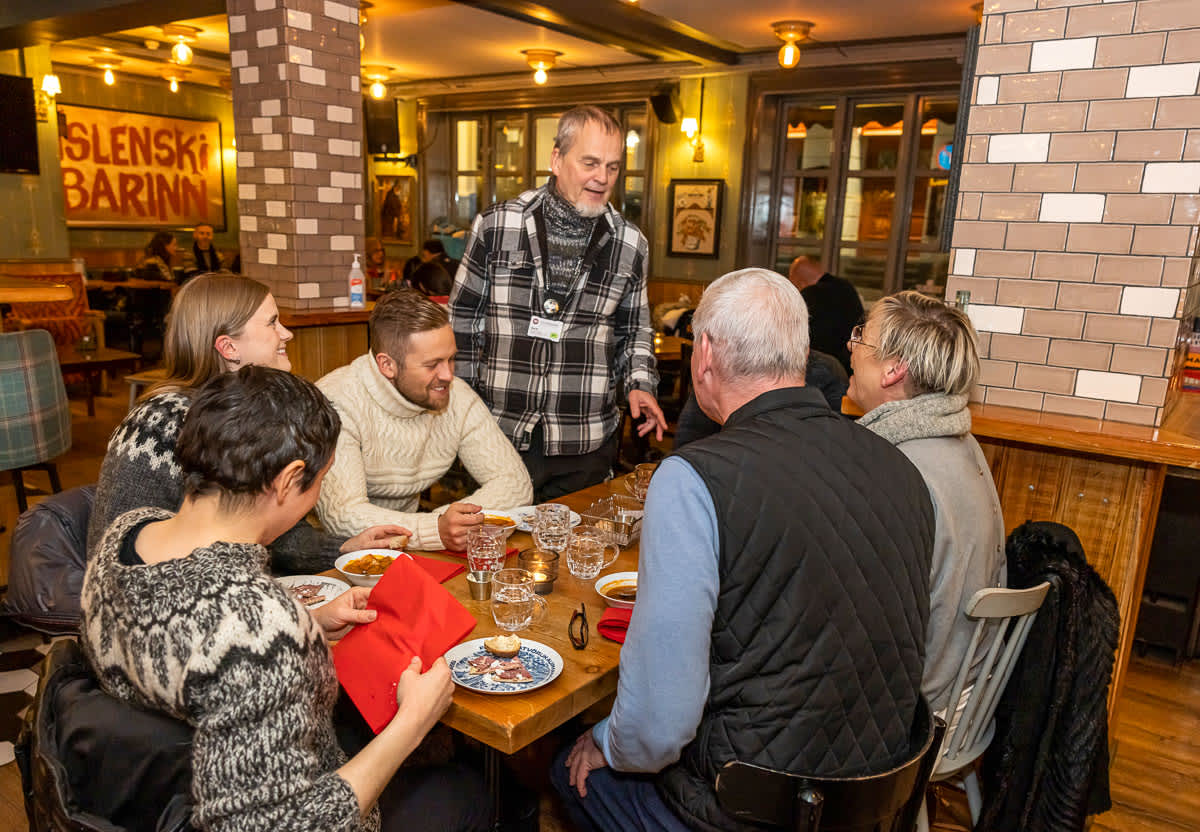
393 195
696 209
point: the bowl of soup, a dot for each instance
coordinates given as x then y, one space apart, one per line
618 589
366 566
500 520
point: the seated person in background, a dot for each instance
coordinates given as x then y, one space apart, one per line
783 588
180 616
834 307
915 362
375 268
218 323
824 373
160 253
203 257
405 417
432 280
432 251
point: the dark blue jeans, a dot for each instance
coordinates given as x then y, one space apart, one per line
615 802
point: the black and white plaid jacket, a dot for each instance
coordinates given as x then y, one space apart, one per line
571 386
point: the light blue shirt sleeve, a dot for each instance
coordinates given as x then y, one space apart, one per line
664 677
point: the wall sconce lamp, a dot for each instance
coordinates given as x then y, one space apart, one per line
181 53
790 31
377 75
692 128
45 96
539 61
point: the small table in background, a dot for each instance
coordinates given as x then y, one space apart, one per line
93 364
19 290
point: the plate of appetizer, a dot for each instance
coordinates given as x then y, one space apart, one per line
503 664
313 591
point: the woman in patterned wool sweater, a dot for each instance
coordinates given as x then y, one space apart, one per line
218 322
180 616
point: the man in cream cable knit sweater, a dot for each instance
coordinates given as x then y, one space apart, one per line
405 417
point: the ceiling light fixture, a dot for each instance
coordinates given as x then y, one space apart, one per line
108 65
790 31
109 78
363 5
539 61
378 76
181 53
174 76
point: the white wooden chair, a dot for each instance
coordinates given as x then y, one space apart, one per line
971 728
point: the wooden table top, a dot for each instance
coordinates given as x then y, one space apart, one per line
20 290
69 358
509 723
669 347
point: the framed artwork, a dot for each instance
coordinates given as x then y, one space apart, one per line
696 208
393 196
138 170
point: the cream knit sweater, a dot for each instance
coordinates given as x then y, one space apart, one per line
390 450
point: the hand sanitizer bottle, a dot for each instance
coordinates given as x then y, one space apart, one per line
358 296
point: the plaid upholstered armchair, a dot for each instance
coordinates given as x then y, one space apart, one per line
35 417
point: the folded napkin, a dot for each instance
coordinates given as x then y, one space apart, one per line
417 617
439 570
613 624
508 553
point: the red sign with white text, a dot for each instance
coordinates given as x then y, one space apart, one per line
135 169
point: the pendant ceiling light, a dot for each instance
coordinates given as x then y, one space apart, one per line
108 64
378 76
539 61
790 31
181 52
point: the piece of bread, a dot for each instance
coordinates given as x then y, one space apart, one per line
503 646
400 541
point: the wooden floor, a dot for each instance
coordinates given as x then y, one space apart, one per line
1154 772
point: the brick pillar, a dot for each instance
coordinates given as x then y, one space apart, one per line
297 114
1077 221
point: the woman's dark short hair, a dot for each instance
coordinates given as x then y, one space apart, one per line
433 246
244 428
157 247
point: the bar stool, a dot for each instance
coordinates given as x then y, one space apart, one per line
140 381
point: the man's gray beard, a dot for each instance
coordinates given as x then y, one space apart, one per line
591 211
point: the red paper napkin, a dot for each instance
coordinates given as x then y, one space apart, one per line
417 617
508 553
439 570
613 624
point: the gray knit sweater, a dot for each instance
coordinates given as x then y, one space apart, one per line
139 470
213 640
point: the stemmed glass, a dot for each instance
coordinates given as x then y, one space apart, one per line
552 526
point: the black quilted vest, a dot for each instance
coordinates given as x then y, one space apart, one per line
825 534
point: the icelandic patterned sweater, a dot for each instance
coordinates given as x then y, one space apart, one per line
212 640
139 470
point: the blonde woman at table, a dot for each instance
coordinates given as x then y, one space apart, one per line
180 616
218 323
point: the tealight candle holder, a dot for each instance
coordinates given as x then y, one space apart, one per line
543 566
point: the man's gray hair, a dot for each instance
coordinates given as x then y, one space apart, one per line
757 324
573 121
936 341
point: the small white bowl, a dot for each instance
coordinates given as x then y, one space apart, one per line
364 580
507 515
607 581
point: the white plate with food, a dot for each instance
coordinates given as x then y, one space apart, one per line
475 667
366 566
618 589
313 591
524 517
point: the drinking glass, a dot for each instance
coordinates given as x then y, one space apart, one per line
485 548
551 526
515 604
586 552
638 482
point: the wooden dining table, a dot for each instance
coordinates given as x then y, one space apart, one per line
21 290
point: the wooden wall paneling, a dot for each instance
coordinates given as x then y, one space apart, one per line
1028 485
1090 501
662 291
316 350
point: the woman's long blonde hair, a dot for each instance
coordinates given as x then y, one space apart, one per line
207 307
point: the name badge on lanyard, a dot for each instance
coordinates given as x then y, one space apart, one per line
544 328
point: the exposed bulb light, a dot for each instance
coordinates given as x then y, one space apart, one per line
539 61
50 85
109 78
790 31
174 85
378 90
632 139
689 126
181 53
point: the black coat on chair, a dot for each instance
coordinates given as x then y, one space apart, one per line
1047 768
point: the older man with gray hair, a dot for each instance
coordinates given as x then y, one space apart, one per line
915 362
783 588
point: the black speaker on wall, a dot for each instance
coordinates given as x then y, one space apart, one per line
382 126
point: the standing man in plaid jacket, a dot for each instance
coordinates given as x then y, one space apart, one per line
549 310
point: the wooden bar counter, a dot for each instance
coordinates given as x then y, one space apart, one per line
1103 479
325 339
